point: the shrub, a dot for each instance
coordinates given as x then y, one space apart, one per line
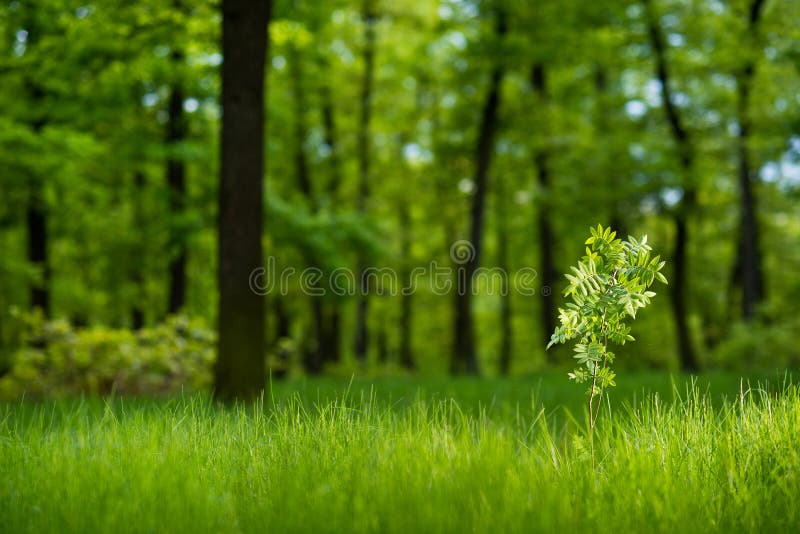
56 359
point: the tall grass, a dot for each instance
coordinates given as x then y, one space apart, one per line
188 465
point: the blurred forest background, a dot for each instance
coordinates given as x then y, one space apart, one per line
393 129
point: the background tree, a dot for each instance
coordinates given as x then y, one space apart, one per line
240 368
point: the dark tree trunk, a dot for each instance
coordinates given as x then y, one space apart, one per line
334 335
240 370
315 352
465 358
282 331
678 294
545 233
334 320
315 356
330 139
608 169
37 247
383 343
302 174
749 274
506 327
679 284
362 305
176 182
407 295
137 312
36 210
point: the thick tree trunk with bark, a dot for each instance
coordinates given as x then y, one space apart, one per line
240 370
465 357
362 305
176 183
681 214
545 233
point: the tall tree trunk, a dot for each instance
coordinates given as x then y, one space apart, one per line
607 170
506 326
315 355
37 246
332 336
465 358
678 287
406 296
334 329
176 182
282 331
749 274
383 342
362 304
546 262
36 209
137 312
240 370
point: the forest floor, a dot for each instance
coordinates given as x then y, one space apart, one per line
402 455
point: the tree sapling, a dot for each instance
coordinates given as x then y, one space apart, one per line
607 287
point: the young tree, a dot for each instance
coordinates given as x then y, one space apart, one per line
240 368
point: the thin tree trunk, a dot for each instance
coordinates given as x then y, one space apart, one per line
36 209
679 284
383 342
334 336
37 246
240 370
406 297
137 312
506 327
749 274
334 320
315 355
544 230
176 182
302 174
282 331
465 358
362 304
608 170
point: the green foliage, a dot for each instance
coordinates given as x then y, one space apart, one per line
84 114
606 287
57 359
755 346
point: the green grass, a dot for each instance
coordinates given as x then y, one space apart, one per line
435 456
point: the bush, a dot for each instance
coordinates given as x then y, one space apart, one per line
56 359
759 346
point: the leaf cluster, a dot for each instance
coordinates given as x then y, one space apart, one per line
606 288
